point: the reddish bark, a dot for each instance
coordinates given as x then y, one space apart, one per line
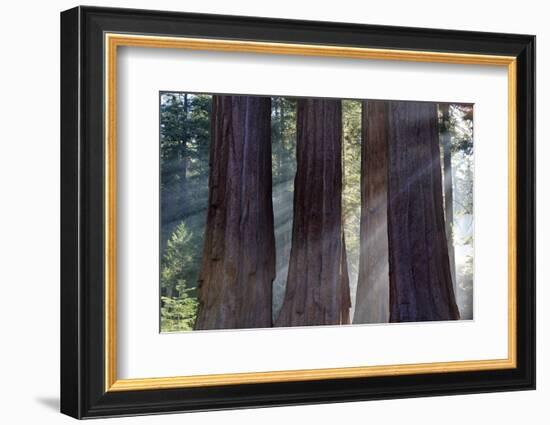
372 297
316 287
238 265
420 277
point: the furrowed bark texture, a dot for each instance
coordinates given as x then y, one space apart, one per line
445 138
315 285
420 277
372 298
238 265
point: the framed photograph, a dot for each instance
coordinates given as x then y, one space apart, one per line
261 212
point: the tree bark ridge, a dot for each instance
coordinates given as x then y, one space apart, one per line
238 265
372 299
316 287
420 277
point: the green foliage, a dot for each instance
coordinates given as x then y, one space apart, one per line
184 157
463 183
462 147
184 152
180 260
283 139
462 129
179 274
351 176
178 314
184 134
459 123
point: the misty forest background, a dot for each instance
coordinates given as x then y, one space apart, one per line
185 149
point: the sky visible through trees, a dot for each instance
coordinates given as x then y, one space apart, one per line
185 158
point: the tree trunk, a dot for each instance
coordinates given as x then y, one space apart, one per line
314 292
238 264
372 299
445 137
420 277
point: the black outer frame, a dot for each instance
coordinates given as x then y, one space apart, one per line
82 217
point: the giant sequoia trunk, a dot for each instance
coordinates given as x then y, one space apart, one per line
372 299
238 264
445 137
420 277
316 287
